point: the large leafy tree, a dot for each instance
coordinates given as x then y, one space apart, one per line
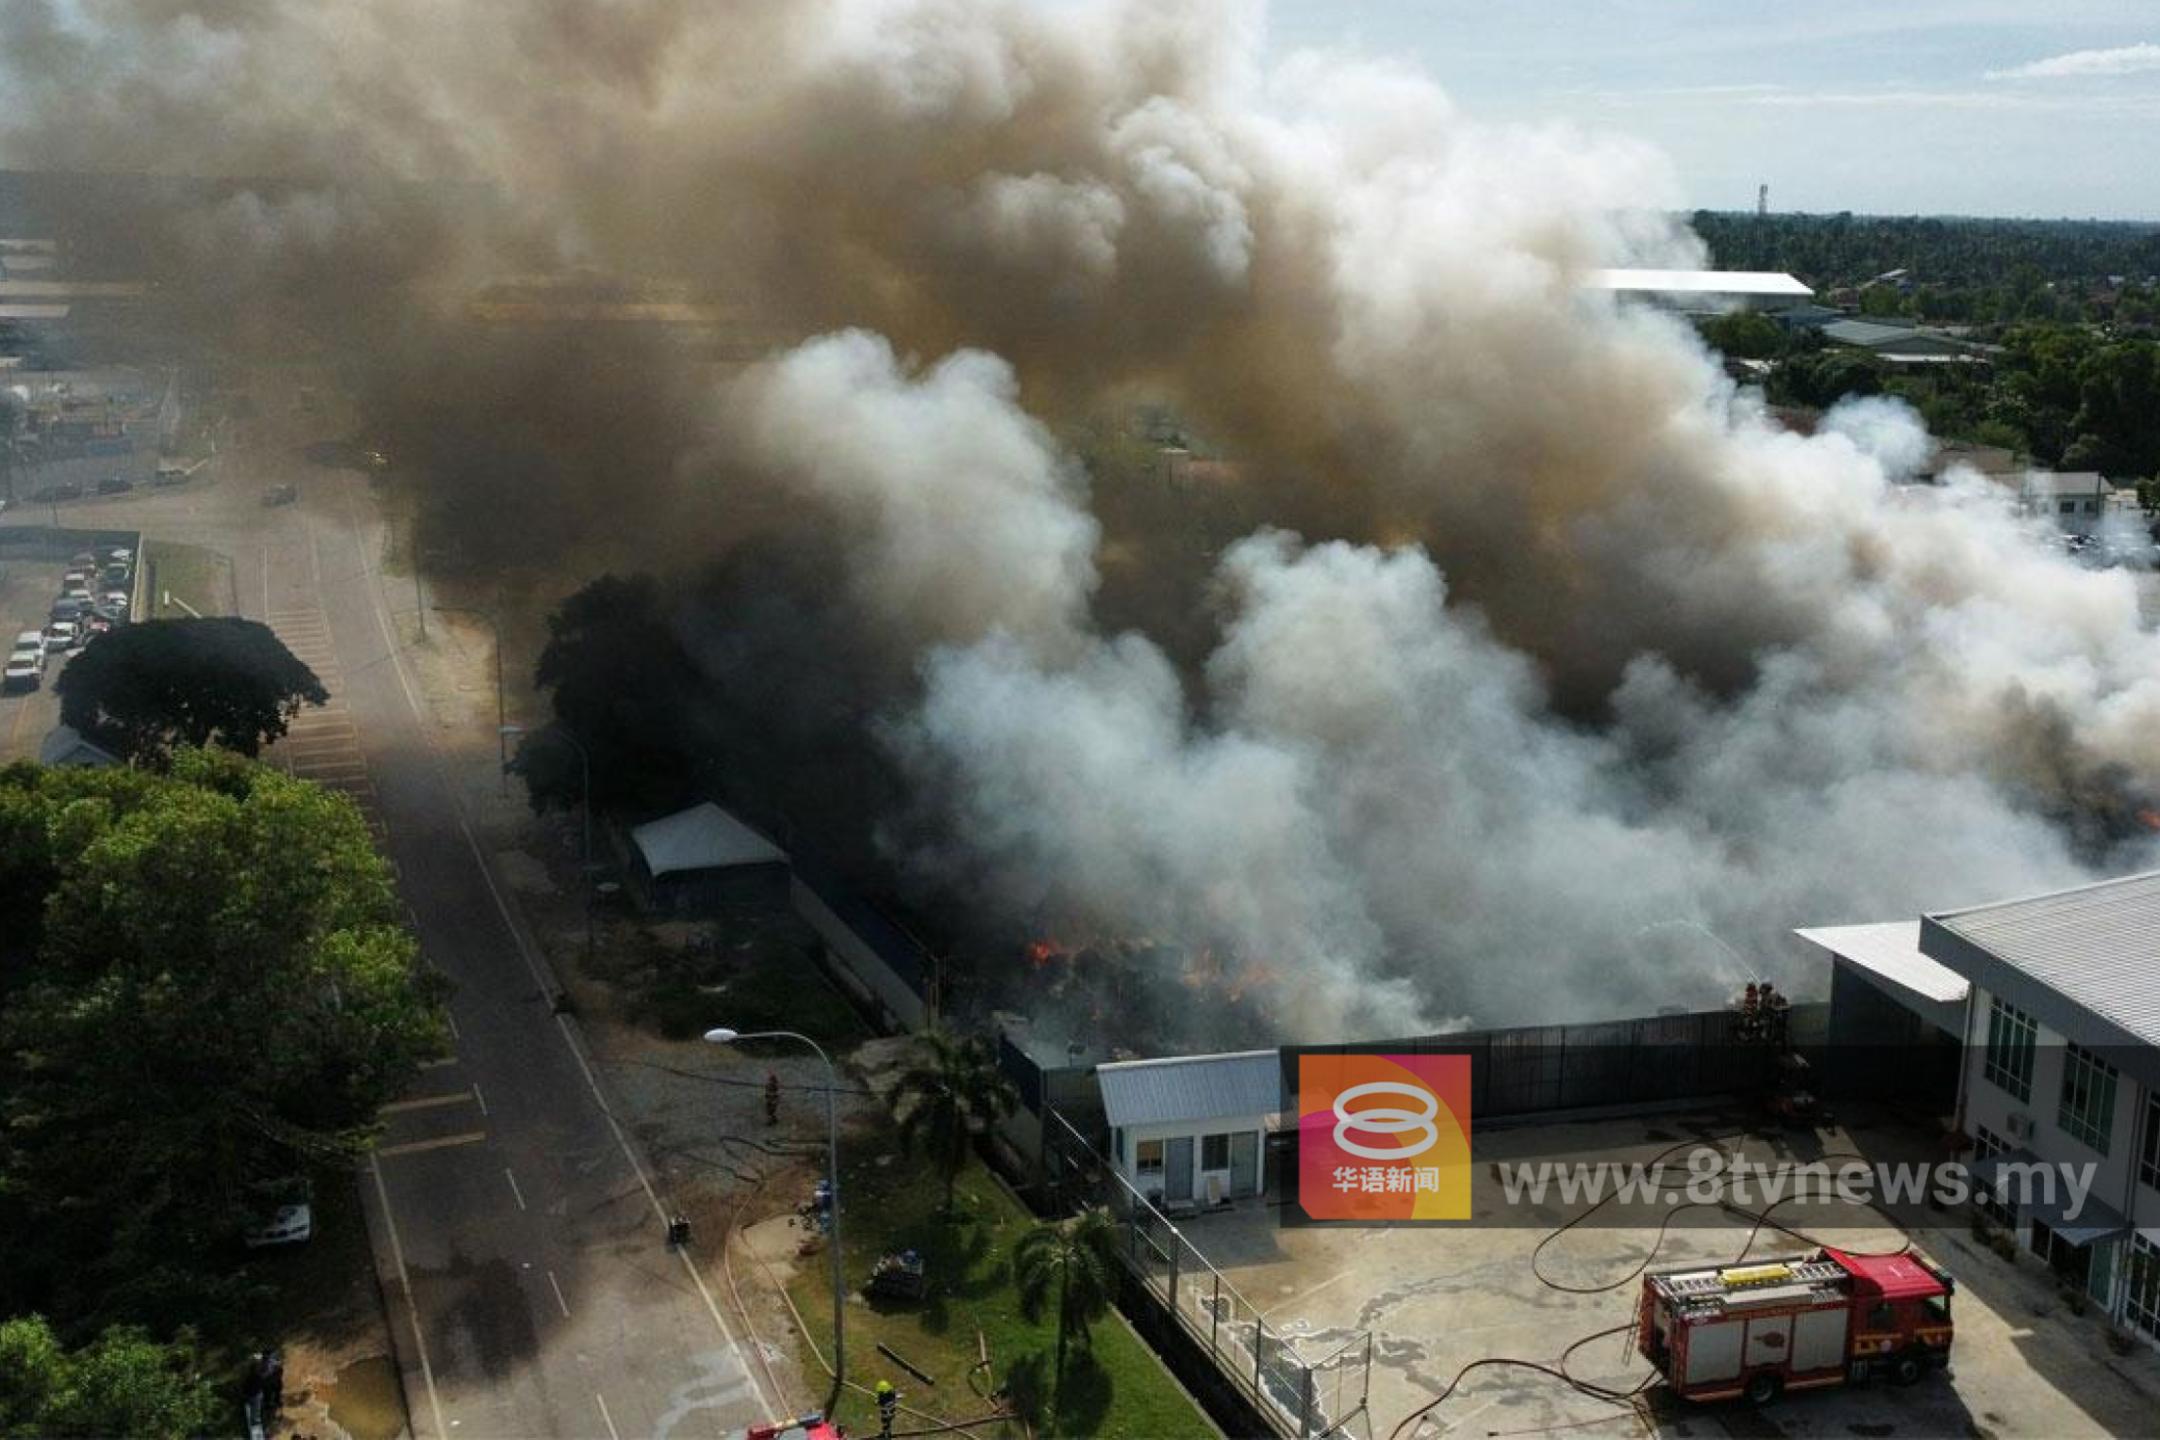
205 989
1069 1268
952 1092
141 690
123 1383
624 687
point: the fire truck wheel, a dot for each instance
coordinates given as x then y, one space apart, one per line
1906 1369
1763 1387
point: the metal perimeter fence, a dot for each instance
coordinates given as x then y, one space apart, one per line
1294 1393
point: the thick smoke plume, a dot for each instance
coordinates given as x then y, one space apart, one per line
1514 666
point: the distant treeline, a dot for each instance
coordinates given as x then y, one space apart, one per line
1956 271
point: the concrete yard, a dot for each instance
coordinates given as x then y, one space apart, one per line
1438 1299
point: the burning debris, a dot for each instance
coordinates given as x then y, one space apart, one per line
1518 637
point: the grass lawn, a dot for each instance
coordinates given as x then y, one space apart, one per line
1117 1388
186 572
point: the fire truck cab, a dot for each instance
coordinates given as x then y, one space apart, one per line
1823 1318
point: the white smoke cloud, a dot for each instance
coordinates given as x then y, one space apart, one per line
1545 678
961 517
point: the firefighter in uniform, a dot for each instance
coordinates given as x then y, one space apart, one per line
888 1406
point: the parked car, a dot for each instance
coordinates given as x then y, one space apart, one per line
115 485
34 652
74 578
77 592
83 560
117 599
64 490
288 1225
30 640
113 576
66 609
281 495
110 614
169 474
22 673
62 635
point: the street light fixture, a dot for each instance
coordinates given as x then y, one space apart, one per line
723 1036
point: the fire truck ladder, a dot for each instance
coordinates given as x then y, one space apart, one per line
1724 1282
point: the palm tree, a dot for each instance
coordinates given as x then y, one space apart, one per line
1077 1259
952 1093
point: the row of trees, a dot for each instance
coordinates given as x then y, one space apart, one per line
2070 397
1965 271
207 993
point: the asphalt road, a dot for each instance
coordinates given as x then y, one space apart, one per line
517 1232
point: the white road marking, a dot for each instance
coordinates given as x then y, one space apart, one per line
450 1018
515 1193
560 1303
478 1098
606 1418
412 1310
440 1142
426 1102
517 937
438 1063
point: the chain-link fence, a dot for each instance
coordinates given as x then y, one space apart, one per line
1297 1393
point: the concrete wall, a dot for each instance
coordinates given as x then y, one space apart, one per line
855 960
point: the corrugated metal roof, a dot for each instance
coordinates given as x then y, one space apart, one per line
1698 282
2096 945
1191 1087
1892 951
704 837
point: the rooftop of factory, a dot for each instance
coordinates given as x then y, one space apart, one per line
1192 1087
1699 282
2092 946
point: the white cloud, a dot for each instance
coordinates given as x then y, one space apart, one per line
2121 60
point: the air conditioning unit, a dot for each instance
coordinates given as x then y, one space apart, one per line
2020 1126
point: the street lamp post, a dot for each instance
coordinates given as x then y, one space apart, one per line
725 1036
502 718
585 863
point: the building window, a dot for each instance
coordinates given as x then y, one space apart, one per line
2149 1147
1147 1159
2009 1061
2141 1302
1986 1146
2092 507
2068 507
1215 1152
2088 1098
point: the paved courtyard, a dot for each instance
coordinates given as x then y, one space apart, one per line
1436 1300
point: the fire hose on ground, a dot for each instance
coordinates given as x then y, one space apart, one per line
1630 1396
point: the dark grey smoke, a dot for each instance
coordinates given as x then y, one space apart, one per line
1516 667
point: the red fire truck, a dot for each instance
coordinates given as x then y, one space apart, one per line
1823 1318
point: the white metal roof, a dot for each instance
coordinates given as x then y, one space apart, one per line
1191 1087
2096 946
704 837
1891 951
1697 282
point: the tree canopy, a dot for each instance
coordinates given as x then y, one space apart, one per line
206 989
950 1094
624 686
140 690
123 1383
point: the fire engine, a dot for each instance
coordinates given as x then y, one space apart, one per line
1827 1317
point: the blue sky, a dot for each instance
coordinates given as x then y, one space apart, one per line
1978 107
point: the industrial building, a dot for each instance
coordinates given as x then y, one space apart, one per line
702 859
2059 1019
1705 292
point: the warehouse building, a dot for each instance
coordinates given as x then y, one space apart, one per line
1705 292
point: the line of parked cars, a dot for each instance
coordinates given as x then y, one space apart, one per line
93 599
